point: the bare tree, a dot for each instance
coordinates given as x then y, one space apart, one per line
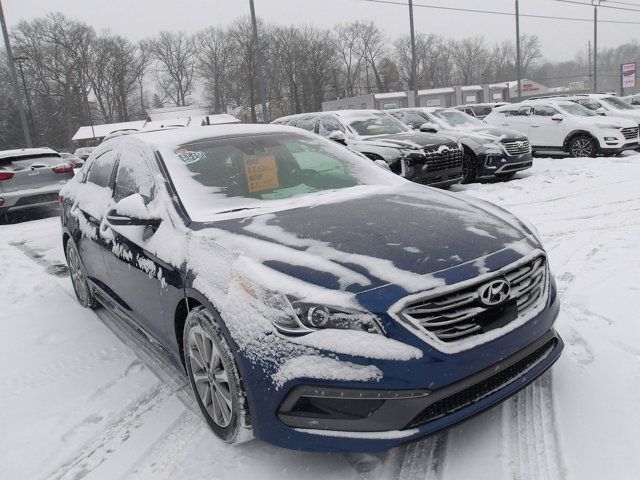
214 58
116 68
348 45
470 57
175 58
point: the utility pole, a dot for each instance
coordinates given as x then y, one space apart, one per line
590 67
14 80
19 60
596 4
414 67
258 55
518 52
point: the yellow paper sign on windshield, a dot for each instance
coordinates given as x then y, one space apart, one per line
262 172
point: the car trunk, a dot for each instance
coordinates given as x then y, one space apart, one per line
29 172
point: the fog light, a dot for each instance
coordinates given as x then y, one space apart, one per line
610 139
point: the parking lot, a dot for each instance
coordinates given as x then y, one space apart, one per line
84 397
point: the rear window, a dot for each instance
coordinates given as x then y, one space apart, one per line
28 161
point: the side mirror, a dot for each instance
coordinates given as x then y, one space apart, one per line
338 136
116 219
382 164
557 118
428 127
132 211
601 111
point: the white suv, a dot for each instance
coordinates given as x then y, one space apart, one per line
564 126
608 105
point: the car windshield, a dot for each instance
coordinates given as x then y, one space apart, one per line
577 110
617 103
369 124
456 119
247 172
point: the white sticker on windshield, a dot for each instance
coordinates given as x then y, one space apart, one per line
187 156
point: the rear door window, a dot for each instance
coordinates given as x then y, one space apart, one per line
307 123
544 111
328 125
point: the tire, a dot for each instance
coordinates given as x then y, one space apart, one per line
226 410
4 216
81 287
469 167
583 146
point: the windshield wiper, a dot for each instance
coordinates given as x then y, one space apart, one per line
236 210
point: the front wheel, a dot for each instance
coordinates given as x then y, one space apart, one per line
214 376
78 277
583 146
469 167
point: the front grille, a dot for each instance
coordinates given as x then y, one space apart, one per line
484 388
519 147
457 315
34 199
630 133
443 158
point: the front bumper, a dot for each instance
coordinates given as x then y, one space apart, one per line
412 399
496 165
354 410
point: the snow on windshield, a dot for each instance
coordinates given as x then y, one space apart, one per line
577 110
456 119
617 103
374 123
214 176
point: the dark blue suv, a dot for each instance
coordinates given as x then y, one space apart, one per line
315 300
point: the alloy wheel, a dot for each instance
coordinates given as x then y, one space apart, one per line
210 376
78 277
582 147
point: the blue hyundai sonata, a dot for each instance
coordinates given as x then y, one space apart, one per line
314 299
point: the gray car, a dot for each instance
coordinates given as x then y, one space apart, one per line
30 177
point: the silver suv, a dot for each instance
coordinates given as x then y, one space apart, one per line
30 177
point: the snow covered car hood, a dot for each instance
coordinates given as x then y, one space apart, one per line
406 140
367 242
485 133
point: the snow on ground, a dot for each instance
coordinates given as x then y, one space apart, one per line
80 398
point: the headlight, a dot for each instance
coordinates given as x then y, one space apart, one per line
612 127
492 149
300 318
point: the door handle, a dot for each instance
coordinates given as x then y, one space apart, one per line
535 126
505 124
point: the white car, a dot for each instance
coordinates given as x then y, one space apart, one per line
563 126
605 104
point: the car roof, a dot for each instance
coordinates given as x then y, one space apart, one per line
27 152
180 136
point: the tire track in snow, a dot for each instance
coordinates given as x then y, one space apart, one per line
173 382
530 439
423 459
91 455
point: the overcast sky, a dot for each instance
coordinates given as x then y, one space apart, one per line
137 19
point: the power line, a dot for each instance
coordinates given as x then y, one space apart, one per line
602 5
497 12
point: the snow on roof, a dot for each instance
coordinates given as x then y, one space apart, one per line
471 88
495 86
166 113
382 96
180 136
222 118
436 91
100 131
23 152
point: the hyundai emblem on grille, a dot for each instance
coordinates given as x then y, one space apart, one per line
494 293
